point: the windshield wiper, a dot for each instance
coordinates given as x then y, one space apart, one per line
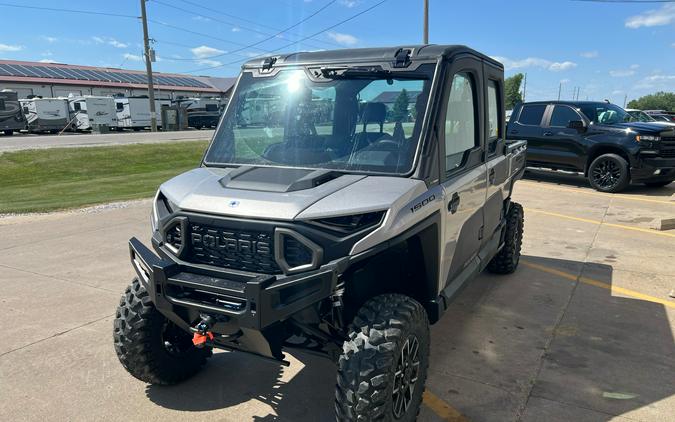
365 72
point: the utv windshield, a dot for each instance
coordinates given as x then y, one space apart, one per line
605 113
357 121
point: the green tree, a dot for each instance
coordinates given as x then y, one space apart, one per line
658 101
512 94
399 112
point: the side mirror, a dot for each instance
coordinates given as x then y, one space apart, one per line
579 125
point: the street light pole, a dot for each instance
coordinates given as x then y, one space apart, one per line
148 68
426 21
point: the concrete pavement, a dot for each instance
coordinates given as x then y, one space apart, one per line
68 140
583 331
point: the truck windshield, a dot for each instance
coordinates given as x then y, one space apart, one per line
368 122
605 113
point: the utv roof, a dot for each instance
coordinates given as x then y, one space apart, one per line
382 54
566 102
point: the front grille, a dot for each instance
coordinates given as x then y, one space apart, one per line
667 147
235 249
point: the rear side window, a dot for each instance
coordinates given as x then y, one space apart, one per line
562 116
532 114
493 117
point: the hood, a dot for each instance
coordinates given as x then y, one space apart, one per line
641 127
282 193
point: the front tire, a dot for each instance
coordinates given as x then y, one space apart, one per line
149 346
609 173
507 259
383 367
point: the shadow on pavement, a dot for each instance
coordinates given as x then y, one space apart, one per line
532 344
578 180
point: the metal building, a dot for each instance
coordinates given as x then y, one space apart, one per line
61 80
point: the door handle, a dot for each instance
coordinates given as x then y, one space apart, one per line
548 133
491 176
453 205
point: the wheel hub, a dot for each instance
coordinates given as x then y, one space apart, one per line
405 377
606 173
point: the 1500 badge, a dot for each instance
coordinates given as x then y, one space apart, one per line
418 206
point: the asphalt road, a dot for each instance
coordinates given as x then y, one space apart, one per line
583 331
28 141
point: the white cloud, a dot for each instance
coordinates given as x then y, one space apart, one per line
236 29
110 41
622 73
117 44
203 51
589 54
98 40
349 3
5 48
47 61
201 18
207 62
617 92
564 81
655 17
132 57
344 39
50 40
510 64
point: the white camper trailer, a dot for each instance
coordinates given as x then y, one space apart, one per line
88 111
134 112
45 114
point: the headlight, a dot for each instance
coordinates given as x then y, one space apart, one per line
651 138
161 208
351 223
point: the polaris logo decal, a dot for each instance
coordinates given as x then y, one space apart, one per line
229 243
233 204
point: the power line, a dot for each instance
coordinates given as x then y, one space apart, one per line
299 41
625 1
84 12
245 47
267 34
251 21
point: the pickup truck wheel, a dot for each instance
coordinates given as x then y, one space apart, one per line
609 173
149 346
383 367
506 260
658 184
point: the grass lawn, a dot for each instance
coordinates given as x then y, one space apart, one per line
60 178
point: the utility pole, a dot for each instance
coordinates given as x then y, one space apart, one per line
148 68
559 89
524 86
625 99
426 21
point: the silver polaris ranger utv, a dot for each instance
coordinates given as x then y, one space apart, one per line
342 221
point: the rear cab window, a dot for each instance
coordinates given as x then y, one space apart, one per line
532 114
493 117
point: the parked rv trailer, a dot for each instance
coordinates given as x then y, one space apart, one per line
201 112
90 110
11 114
45 114
134 112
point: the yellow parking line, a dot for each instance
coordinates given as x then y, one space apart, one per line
601 284
606 195
585 220
441 408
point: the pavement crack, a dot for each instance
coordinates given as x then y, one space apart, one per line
57 278
56 335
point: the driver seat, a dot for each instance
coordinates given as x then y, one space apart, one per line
371 113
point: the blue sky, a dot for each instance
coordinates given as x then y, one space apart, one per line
607 49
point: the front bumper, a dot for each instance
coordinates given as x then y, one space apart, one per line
247 306
647 167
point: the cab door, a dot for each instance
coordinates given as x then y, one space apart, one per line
463 171
566 146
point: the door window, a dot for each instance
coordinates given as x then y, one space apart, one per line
532 114
493 117
460 121
562 116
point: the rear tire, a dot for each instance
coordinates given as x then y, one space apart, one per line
507 259
383 367
609 173
658 184
149 346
